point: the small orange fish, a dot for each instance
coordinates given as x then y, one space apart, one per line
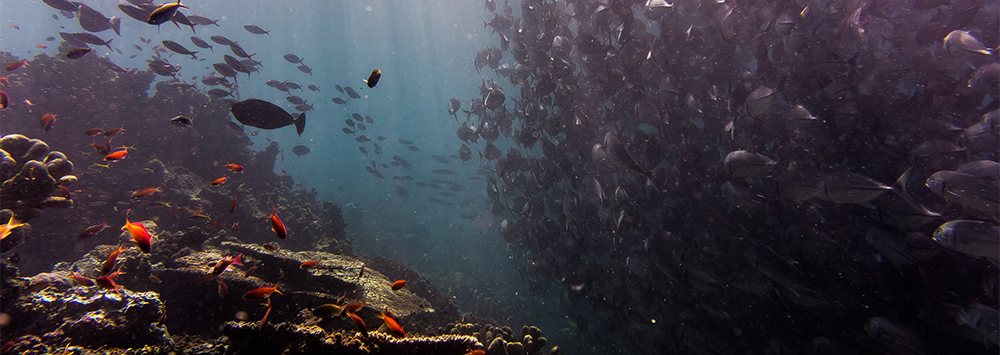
277 226
149 191
8 228
250 271
362 272
81 280
4 101
270 247
234 167
263 321
233 228
221 267
309 264
13 66
113 131
41 46
48 120
232 207
93 230
391 323
223 289
398 285
109 263
93 131
108 282
353 307
140 235
476 352
155 279
261 292
219 181
359 323
119 155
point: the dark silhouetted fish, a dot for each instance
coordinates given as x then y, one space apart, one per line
373 78
178 48
363 151
361 126
295 100
349 122
350 92
440 159
465 153
91 39
63 5
454 105
203 21
339 101
198 42
348 130
291 58
358 117
224 69
305 69
413 148
265 115
239 52
222 40
406 142
78 53
339 88
301 150
313 88
256 30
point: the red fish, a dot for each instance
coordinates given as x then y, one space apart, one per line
250 271
263 321
93 131
113 131
119 155
13 66
309 264
353 307
81 280
270 247
93 230
233 228
219 181
108 282
234 167
221 267
277 226
359 323
140 235
65 192
261 292
232 207
109 263
398 285
223 289
48 120
391 323
4 101
362 272
149 191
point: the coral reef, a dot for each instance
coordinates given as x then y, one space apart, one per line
502 340
30 171
287 338
90 317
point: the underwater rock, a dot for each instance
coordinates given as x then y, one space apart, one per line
90 317
287 338
30 172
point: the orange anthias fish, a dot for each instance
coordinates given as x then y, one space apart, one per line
221 267
309 264
93 230
4 101
234 167
8 228
261 292
108 282
109 264
391 323
48 120
358 322
149 191
398 285
276 225
263 321
93 131
353 307
232 207
119 155
113 131
13 66
81 280
219 181
140 235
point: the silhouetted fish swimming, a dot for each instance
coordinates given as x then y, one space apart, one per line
265 115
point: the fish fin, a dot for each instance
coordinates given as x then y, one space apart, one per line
108 44
300 123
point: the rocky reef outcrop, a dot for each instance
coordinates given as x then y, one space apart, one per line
30 172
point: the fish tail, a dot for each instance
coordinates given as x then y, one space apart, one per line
108 44
300 123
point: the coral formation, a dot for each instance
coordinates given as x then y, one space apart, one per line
502 340
289 338
30 171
